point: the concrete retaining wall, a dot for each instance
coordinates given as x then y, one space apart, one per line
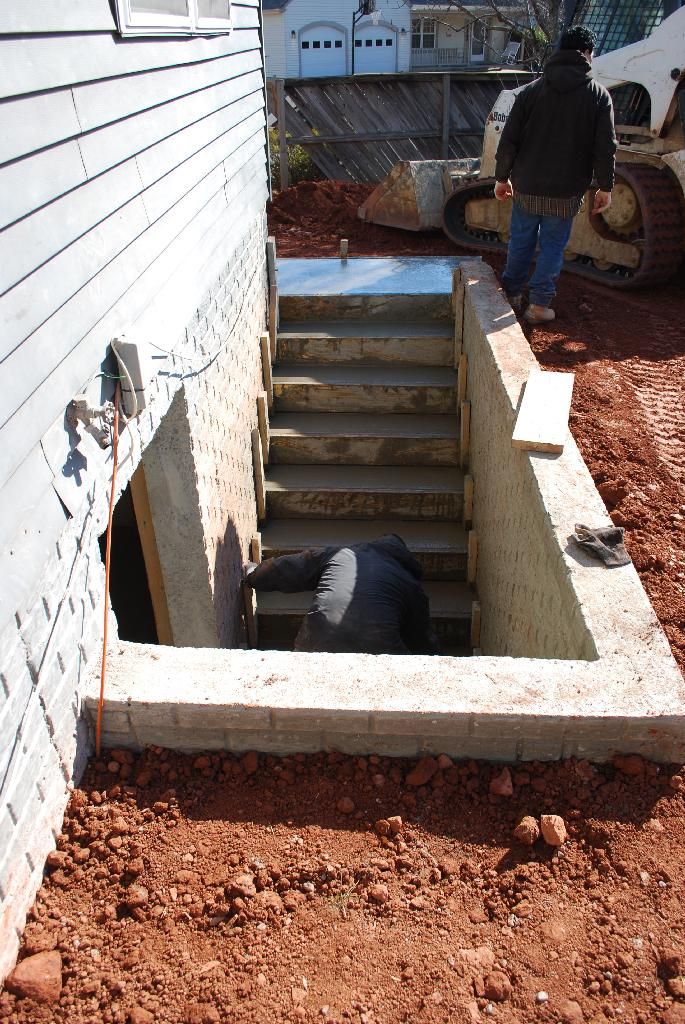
542 596
576 662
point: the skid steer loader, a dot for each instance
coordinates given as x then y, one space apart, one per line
640 239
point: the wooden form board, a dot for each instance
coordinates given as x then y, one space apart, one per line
263 424
468 499
542 421
464 433
153 566
265 349
259 482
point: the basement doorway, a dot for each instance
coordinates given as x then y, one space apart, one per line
136 590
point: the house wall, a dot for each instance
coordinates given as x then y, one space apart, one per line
301 13
274 44
132 194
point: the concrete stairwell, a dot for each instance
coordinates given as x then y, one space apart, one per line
364 440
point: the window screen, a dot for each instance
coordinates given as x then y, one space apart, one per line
619 22
175 7
213 9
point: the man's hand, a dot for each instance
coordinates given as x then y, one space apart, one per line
503 190
249 568
602 201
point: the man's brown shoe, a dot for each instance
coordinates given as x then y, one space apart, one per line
539 314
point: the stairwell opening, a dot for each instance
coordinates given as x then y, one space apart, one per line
570 658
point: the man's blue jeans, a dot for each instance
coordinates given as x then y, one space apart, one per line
553 234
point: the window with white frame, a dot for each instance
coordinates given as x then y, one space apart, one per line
173 17
422 34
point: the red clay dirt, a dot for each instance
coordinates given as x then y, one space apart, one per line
260 890
363 890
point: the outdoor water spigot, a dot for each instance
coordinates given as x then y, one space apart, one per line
80 410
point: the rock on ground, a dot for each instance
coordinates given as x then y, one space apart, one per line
553 829
38 977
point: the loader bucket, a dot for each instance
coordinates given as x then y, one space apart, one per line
411 196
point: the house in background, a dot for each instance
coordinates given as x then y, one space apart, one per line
303 41
444 37
133 186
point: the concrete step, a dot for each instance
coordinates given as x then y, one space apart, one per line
365 307
423 344
396 389
279 615
365 492
364 439
439 547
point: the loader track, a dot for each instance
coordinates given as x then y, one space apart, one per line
660 240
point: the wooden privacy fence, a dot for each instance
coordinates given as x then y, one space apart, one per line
356 129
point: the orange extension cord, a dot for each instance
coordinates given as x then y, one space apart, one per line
103 670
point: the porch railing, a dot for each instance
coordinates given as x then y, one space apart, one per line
437 57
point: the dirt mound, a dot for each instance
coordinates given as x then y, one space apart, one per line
196 890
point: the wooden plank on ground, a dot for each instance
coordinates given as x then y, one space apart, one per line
153 566
542 421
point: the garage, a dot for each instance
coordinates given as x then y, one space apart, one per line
375 49
322 52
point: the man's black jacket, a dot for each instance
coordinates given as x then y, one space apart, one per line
560 130
367 598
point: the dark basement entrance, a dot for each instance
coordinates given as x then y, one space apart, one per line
129 589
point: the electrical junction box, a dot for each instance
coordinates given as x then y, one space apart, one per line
135 370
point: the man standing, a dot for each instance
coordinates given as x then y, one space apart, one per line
559 132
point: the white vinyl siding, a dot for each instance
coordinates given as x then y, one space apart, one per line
120 189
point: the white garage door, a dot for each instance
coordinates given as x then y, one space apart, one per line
322 52
374 50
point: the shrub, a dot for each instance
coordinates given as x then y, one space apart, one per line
301 167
